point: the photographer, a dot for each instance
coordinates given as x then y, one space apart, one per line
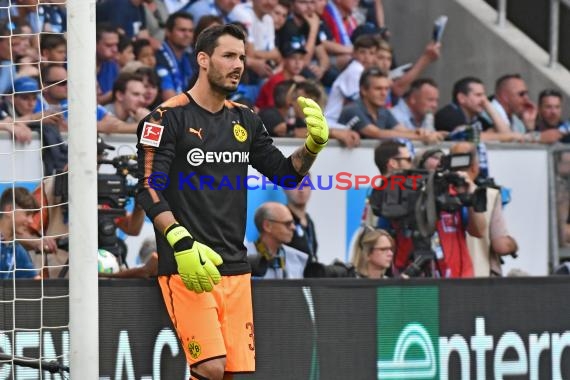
444 253
487 250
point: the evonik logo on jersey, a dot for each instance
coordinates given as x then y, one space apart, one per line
197 157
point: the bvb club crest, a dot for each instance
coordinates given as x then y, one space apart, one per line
240 133
194 349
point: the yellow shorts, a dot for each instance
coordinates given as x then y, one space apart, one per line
215 324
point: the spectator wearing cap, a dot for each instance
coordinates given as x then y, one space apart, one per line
368 115
173 60
303 27
262 54
293 62
345 88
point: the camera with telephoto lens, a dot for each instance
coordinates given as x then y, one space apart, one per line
415 204
113 192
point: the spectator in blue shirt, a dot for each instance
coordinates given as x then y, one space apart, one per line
107 68
16 207
173 60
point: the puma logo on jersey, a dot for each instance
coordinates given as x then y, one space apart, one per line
196 132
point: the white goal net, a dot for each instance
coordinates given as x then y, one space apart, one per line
42 88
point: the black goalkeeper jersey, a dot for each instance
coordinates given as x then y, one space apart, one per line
194 163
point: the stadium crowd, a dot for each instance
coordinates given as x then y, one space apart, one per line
336 52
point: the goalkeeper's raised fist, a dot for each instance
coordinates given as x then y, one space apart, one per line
196 261
317 128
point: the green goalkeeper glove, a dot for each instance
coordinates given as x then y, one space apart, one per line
317 127
196 261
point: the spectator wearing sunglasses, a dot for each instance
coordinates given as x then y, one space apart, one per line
372 253
269 256
513 104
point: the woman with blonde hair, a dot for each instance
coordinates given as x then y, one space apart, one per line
372 253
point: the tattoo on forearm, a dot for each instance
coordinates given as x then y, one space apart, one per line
302 160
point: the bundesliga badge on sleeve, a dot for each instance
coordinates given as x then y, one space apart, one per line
151 134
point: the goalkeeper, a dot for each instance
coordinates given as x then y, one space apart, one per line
203 270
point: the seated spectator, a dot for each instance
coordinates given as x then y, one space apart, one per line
125 52
269 256
151 81
156 14
52 18
415 111
369 117
17 207
513 104
128 98
218 8
401 84
280 14
106 49
549 123
281 120
144 53
262 54
340 54
126 15
293 61
53 49
471 116
486 251
372 253
173 61
303 27
206 22
339 17
345 88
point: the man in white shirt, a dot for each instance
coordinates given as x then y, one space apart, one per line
346 88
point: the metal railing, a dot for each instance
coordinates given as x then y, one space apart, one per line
554 27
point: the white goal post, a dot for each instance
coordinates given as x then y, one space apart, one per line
82 138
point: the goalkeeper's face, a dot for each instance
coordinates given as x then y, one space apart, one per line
226 64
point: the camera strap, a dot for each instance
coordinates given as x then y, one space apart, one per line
274 262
